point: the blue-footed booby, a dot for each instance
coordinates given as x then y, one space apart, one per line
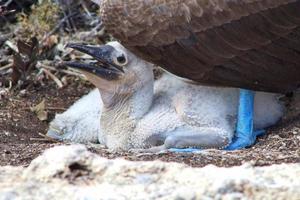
249 44
132 111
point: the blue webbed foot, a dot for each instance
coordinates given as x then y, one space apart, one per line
245 136
187 150
243 142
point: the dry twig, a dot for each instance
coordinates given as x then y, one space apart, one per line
68 72
12 46
62 21
44 139
5 67
53 77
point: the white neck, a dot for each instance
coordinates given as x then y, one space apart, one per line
120 116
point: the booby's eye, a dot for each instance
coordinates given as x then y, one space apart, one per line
120 60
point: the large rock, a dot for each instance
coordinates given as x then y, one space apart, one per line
72 172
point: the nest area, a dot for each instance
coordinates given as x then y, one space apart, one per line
34 87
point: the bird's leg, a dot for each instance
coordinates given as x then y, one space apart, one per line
245 136
191 140
187 139
152 150
155 142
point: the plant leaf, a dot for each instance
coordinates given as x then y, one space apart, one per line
40 111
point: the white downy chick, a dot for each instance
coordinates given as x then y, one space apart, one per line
140 113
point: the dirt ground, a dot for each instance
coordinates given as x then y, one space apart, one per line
21 131
21 140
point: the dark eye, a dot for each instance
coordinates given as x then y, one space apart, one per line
121 60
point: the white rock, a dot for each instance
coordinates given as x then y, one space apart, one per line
72 172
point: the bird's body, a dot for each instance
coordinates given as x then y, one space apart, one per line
167 113
253 44
250 44
81 122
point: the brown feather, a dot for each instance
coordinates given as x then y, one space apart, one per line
252 44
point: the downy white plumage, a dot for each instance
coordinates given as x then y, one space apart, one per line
134 111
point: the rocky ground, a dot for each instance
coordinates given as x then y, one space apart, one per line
73 172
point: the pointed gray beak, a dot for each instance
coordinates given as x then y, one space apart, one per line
104 68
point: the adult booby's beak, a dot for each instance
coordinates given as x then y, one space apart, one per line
104 67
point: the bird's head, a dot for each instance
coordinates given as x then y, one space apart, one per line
115 71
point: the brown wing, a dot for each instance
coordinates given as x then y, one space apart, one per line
252 44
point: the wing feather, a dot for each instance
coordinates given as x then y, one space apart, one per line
241 43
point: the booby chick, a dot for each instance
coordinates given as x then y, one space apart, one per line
138 113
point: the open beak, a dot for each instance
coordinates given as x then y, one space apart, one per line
104 67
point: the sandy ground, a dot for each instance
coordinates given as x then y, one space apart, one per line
20 129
